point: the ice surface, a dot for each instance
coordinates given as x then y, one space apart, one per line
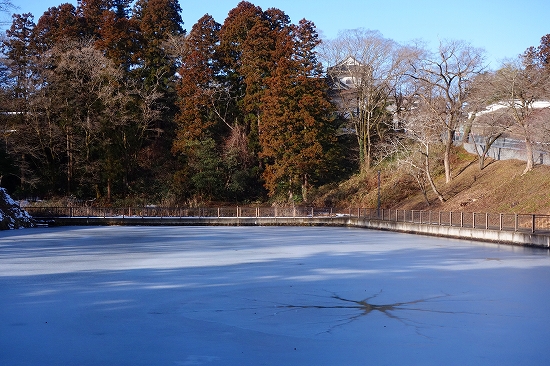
268 296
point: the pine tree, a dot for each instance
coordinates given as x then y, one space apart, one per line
196 87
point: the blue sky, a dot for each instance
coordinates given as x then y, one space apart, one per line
504 28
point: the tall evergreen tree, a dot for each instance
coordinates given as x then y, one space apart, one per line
297 134
19 86
91 15
19 48
119 35
234 44
157 20
56 25
197 84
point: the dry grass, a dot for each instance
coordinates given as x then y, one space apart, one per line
499 188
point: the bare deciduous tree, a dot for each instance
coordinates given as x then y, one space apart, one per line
6 6
521 86
415 152
488 119
365 69
443 81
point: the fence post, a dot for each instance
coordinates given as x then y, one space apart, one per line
439 219
486 221
500 222
450 218
461 218
533 224
516 222
473 220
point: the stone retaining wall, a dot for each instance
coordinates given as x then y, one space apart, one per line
496 236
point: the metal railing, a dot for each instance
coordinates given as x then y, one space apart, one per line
475 220
488 221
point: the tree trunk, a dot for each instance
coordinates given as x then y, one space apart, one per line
468 128
363 162
447 156
482 158
429 175
529 152
369 143
290 193
69 160
422 187
305 185
109 190
488 143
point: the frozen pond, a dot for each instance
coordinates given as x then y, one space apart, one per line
268 296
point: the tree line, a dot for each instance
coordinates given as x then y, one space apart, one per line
109 100
103 100
411 106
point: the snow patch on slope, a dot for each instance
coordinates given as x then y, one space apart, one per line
11 215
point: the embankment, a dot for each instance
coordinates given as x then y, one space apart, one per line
520 237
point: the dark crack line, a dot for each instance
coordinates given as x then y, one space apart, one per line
387 309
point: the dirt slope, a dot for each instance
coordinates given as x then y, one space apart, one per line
499 188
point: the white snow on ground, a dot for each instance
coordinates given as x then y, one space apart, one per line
268 296
11 215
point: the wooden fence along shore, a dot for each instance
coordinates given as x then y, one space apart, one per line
530 223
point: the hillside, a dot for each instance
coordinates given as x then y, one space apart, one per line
500 188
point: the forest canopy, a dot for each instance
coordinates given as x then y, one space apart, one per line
115 100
